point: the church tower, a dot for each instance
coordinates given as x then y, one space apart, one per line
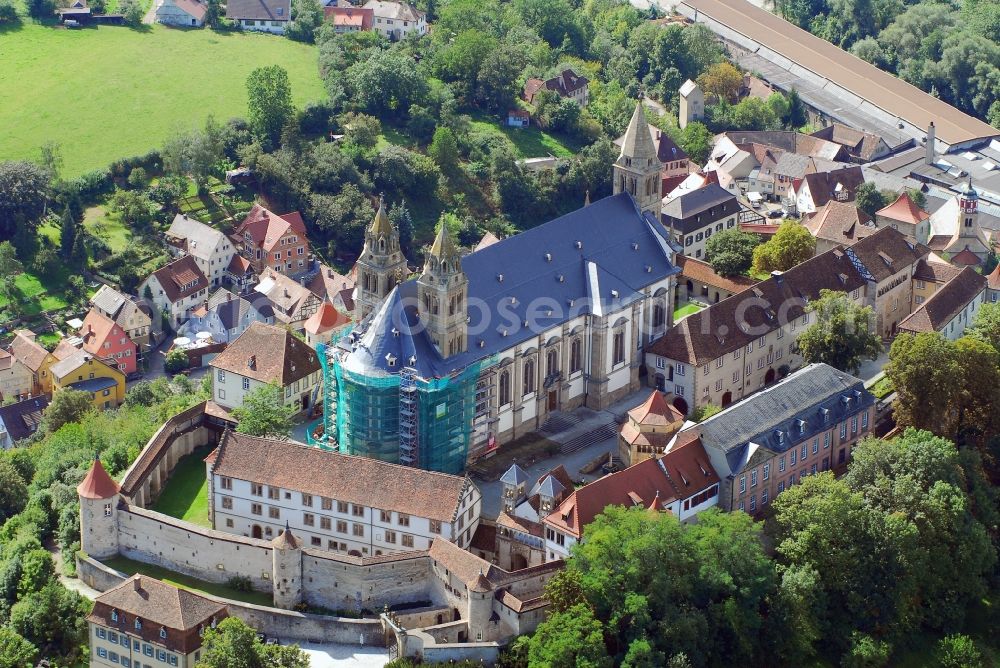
968 209
381 265
442 291
637 169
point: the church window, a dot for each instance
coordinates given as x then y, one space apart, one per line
618 352
551 362
968 222
504 387
659 315
107 510
529 376
574 356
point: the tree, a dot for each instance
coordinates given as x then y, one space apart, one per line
196 154
722 80
13 491
986 326
37 568
135 208
233 644
176 361
792 244
921 366
10 268
869 199
958 651
696 140
52 619
24 192
842 334
386 84
52 160
8 16
702 413
569 639
269 102
15 650
137 177
67 234
264 413
796 116
41 9
307 17
444 150
731 252
133 12
66 406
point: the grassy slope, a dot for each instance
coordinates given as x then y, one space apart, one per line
186 494
111 92
131 567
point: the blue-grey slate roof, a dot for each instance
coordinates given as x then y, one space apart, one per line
597 258
94 384
794 406
696 209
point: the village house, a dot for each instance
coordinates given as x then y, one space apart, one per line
26 350
817 188
682 482
904 215
291 303
106 340
355 505
271 16
133 317
16 379
397 20
181 13
176 289
647 429
326 324
240 274
694 216
698 282
335 288
952 309
742 344
268 240
804 424
838 224
349 19
929 276
210 248
80 370
144 621
861 146
567 84
691 104
263 355
20 420
225 316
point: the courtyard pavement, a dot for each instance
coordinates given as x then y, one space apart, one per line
591 421
345 656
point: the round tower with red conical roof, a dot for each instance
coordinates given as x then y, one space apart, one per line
98 494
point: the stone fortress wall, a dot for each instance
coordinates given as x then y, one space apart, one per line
296 575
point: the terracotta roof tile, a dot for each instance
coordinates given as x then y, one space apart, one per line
181 278
904 210
840 222
360 480
27 351
655 411
936 272
269 354
935 314
702 272
97 484
325 319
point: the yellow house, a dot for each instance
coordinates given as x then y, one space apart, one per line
82 371
26 349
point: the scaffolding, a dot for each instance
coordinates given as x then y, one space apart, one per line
429 423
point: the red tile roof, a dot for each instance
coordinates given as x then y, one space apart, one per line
994 278
702 272
965 258
904 210
325 319
840 222
655 411
268 353
181 278
359 17
97 484
935 314
266 228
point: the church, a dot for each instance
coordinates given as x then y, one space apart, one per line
480 349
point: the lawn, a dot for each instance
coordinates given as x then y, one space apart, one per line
108 227
110 92
41 293
687 310
130 567
186 494
529 142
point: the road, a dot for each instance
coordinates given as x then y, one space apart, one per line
150 17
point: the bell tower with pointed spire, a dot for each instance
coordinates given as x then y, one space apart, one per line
442 292
637 169
381 265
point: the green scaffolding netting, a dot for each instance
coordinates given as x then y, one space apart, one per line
362 414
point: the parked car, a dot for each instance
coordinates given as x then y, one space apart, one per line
777 213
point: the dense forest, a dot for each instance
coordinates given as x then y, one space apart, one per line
949 49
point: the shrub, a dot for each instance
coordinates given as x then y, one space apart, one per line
240 583
8 12
176 361
958 651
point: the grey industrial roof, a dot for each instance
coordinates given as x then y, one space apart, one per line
868 83
599 257
802 396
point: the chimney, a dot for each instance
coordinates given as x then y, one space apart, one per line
931 137
137 584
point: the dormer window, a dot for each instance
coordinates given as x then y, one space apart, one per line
138 623
780 435
163 633
802 426
114 615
